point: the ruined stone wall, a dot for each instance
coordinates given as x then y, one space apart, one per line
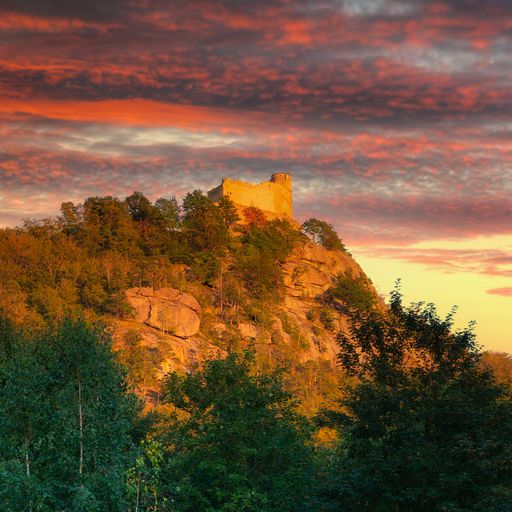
273 197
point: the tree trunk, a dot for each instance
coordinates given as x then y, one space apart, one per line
221 287
81 426
138 494
27 459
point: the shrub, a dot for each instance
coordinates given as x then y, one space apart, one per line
353 291
323 234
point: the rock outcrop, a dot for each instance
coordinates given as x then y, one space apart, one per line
311 269
166 309
299 332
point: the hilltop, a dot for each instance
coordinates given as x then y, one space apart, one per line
178 284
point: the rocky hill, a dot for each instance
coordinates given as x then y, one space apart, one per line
176 284
180 328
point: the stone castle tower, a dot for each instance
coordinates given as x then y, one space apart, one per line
273 197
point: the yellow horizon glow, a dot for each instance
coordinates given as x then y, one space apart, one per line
466 290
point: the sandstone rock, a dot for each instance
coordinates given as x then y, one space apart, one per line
219 328
279 334
311 269
174 353
169 321
166 309
247 330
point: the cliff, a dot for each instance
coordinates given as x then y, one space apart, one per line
298 333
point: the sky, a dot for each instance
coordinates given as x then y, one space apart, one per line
394 118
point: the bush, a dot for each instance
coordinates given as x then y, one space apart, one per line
354 292
326 319
323 234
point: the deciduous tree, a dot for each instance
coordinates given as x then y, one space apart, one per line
237 444
426 428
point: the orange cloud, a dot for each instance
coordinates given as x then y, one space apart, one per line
503 292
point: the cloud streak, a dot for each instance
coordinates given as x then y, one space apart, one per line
502 292
490 262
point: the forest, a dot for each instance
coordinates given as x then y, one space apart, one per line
423 420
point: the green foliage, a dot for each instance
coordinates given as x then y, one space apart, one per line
426 429
65 434
166 213
261 256
324 234
139 361
109 225
144 481
257 311
237 444
354 292
291 327
139 207
71 218
326 319
206 224
83 261
205 267
500 364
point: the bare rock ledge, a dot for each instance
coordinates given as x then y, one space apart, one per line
166 309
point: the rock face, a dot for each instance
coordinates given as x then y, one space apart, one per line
299 332
166 309
311 269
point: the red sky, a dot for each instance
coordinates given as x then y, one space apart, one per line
394 117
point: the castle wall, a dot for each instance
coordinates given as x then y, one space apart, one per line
273 197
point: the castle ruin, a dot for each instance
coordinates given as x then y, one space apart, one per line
273 197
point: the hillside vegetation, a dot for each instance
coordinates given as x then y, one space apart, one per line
259 283
422 427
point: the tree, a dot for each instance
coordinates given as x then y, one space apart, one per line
324 234
206 225
263 252
139 207
500 364
67 419
237 444
351 292
70 217
108 225
206 230
426 428
167 213
140 361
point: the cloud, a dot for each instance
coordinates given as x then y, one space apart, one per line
502 292
398 114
